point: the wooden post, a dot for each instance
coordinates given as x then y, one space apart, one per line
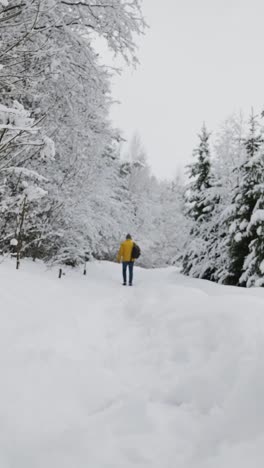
20 231
18 260
84 270
60 273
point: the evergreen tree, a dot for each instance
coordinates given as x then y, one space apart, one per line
200 203
229 154
199 173
253 266
244 202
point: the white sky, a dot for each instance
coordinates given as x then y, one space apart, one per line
201 60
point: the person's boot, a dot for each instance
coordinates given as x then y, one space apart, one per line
124 284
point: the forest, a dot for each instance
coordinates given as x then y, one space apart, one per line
68 195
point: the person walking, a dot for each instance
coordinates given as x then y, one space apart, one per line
125 255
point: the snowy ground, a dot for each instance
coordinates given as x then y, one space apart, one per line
167 374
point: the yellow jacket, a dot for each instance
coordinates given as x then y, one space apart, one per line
125 251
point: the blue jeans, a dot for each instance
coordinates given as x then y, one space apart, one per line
130 266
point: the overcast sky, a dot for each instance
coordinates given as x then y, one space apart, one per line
200 61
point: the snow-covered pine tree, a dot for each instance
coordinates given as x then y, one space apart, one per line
241 221
253 268
138 183
229 153
200 202
199 174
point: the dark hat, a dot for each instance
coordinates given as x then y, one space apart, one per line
128 236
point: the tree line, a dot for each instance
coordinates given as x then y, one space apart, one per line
66 195
225 206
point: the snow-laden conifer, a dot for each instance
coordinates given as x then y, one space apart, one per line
245 201
200 203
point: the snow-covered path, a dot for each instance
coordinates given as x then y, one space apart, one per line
167 374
